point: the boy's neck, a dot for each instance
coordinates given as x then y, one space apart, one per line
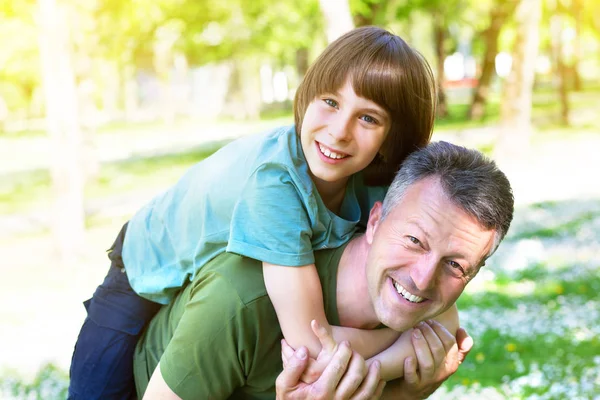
332 193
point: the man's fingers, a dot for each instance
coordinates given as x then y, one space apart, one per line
436 347
333 373
410 371
327 342
353 377
293 370
372 386
465 344
423 353
447 338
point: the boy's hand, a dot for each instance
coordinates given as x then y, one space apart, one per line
315 367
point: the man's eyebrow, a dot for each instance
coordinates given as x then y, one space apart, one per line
422 228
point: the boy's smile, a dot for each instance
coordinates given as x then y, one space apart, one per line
341 134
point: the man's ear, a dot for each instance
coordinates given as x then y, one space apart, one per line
373 223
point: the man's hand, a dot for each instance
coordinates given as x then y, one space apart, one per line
438 356
344 377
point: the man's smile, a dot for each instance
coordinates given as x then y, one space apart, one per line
406 294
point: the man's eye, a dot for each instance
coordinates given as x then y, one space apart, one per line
369 119
456 266
414 240
331 103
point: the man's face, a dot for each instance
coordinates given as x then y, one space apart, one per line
422 255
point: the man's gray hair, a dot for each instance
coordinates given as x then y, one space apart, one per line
470 180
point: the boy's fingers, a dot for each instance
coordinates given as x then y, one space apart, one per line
327 342
287 351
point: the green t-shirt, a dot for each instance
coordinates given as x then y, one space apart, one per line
220 338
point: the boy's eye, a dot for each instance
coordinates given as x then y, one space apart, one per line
331 103
369 119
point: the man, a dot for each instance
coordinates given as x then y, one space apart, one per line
445 213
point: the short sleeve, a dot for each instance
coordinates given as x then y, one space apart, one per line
272 220
202 360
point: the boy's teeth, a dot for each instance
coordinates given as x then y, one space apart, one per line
329 153
406 294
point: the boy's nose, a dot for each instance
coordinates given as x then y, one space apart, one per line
340 130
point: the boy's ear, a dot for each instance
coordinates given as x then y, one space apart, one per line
373 223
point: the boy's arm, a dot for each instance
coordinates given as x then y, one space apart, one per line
298 299
393 358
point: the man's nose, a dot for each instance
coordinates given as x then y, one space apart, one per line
424 272
341 128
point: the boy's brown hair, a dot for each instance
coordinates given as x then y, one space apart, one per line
383 69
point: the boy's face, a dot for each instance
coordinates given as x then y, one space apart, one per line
341 134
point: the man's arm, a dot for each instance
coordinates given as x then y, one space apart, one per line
158 388
425 375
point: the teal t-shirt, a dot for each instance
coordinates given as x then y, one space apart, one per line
254 197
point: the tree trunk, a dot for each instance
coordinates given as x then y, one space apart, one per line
63 127
518 91
498 16
302 63
439 34
578 16
370 17
560 70
338 19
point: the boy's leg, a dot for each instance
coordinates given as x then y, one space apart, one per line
102 363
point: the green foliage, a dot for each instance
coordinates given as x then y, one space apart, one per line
50 383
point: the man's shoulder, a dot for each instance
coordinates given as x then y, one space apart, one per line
236 273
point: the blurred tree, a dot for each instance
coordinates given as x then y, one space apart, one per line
19 55
369 12
63 126
338 19
442 13
557 25
499 12
517 97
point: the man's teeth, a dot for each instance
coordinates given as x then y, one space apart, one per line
330 154
406 294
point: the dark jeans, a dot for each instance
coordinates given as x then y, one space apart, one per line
102 363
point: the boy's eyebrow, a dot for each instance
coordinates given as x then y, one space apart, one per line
380 112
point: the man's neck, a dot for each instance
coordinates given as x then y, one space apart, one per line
354 304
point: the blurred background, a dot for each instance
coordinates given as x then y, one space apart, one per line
103 104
